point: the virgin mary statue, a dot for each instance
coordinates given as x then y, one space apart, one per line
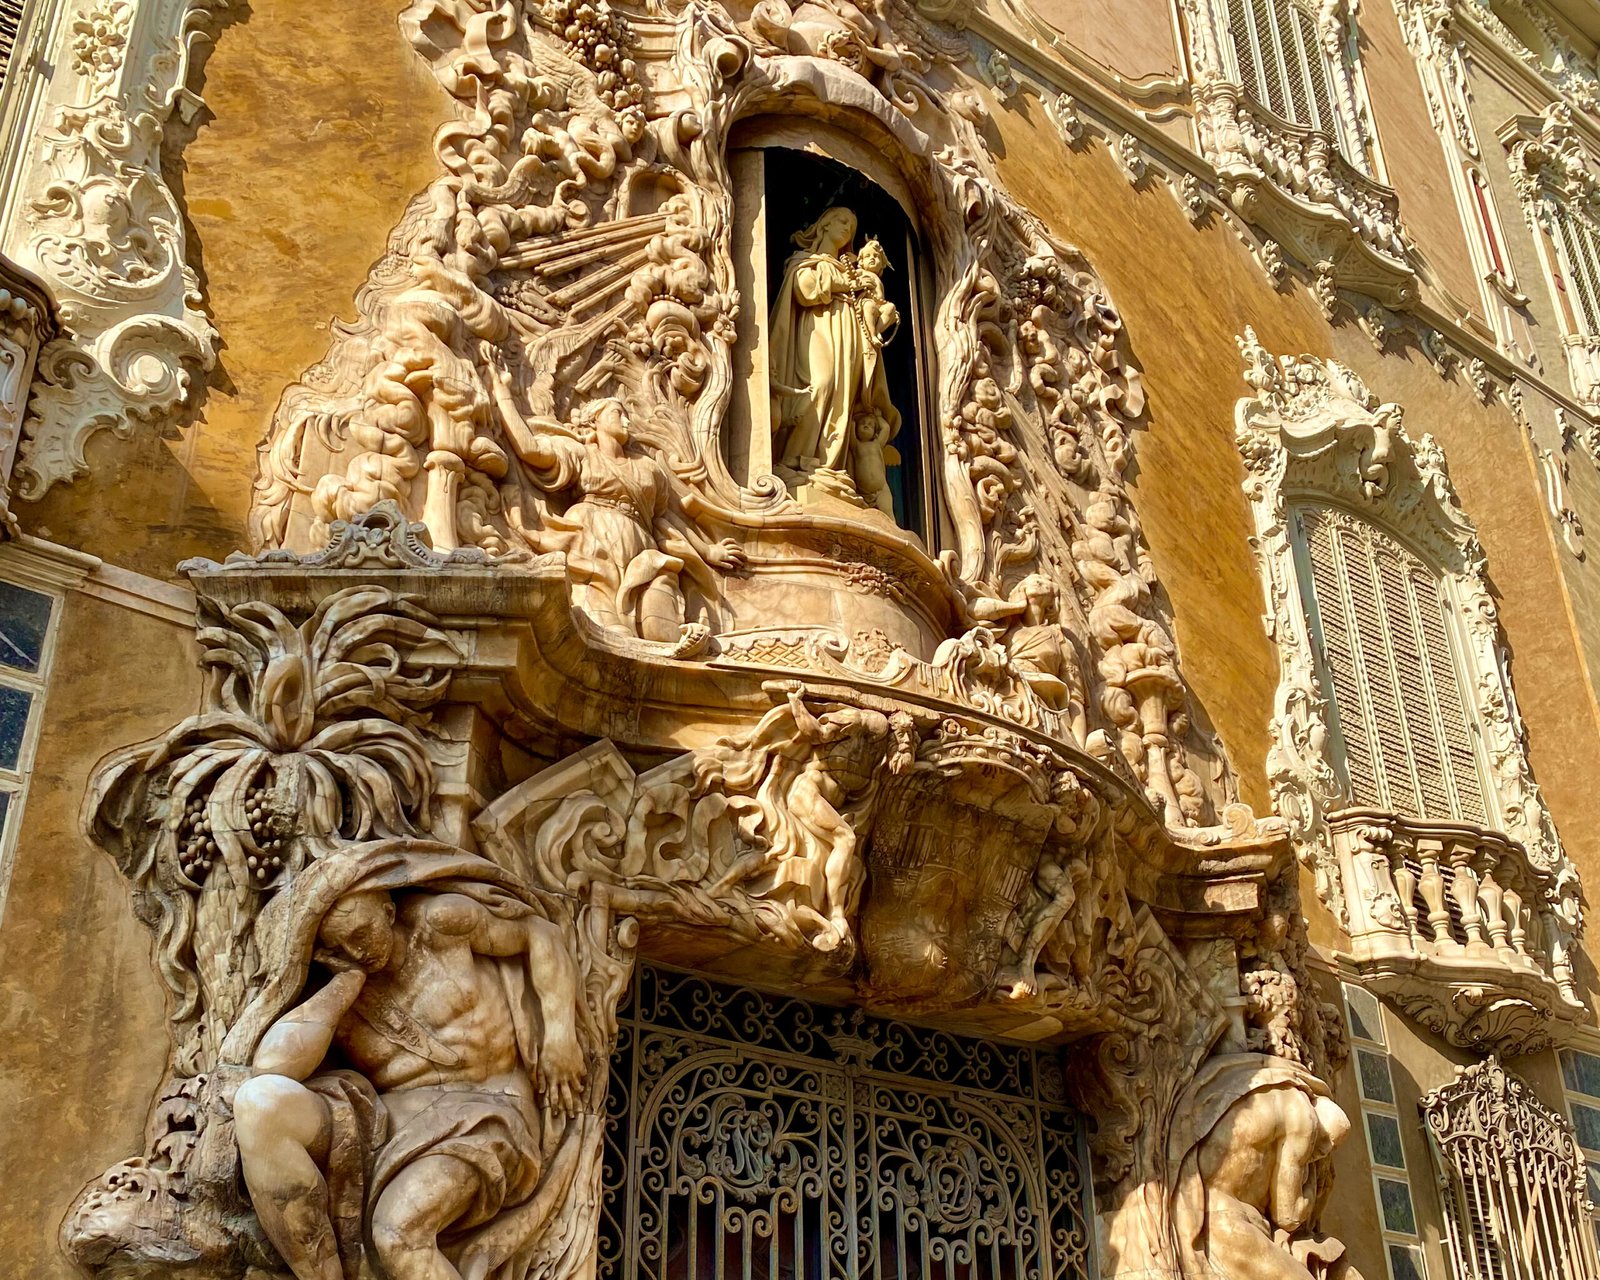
830 397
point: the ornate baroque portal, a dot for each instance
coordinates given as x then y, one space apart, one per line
579 632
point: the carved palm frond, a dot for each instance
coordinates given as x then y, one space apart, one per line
311 734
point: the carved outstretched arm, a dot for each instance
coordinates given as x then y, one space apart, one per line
534 447
1296 1164
678 535
808 728
296 1043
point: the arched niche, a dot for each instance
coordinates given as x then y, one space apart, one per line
785 174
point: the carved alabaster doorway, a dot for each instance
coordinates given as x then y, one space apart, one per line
754 1137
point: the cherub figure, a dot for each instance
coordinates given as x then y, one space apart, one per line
873 456
815 779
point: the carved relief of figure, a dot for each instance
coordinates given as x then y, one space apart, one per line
1138 661
455 1011
1042 651
830 388
815 779
1253 1143
627 549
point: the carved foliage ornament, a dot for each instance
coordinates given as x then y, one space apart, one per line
106 234
1312 431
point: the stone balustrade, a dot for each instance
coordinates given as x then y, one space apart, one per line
1294 184
1460 928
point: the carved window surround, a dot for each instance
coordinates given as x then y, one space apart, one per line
1434 38
1560 69
1317 194
1493 967
97 222
27 322
1551 167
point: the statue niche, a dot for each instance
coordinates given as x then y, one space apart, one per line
842 362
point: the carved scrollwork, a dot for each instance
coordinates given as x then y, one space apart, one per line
106 233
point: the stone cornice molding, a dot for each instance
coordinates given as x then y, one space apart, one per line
105 232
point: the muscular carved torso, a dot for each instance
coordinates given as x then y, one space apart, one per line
437 1016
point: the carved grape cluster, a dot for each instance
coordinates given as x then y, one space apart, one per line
599 38
197 840
197 845
265 835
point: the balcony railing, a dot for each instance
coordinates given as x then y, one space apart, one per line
1294 184
1456 925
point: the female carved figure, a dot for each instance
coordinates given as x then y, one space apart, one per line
831 410
626 548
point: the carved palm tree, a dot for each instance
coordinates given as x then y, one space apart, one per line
310 736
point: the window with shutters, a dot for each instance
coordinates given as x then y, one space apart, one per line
1284 63
1577 246
1381 620
1282 113
1561 202
1399 759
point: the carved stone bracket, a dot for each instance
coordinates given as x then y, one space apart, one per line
105 233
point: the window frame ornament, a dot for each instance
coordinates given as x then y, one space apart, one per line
1566 74
1294 181
1550 168
101 227
1455 942
1509 1142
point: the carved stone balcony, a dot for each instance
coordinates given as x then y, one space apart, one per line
1292 182
1459 928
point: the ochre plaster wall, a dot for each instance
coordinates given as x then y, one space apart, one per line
86 1037
317 134
1135 38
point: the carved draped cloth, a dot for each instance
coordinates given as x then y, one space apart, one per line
609 534
1220 1084
825 366
513 1229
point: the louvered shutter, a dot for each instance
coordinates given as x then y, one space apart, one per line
1379 617
1578 248
10 34
1284 68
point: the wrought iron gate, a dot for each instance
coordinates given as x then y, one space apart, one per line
754 1137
